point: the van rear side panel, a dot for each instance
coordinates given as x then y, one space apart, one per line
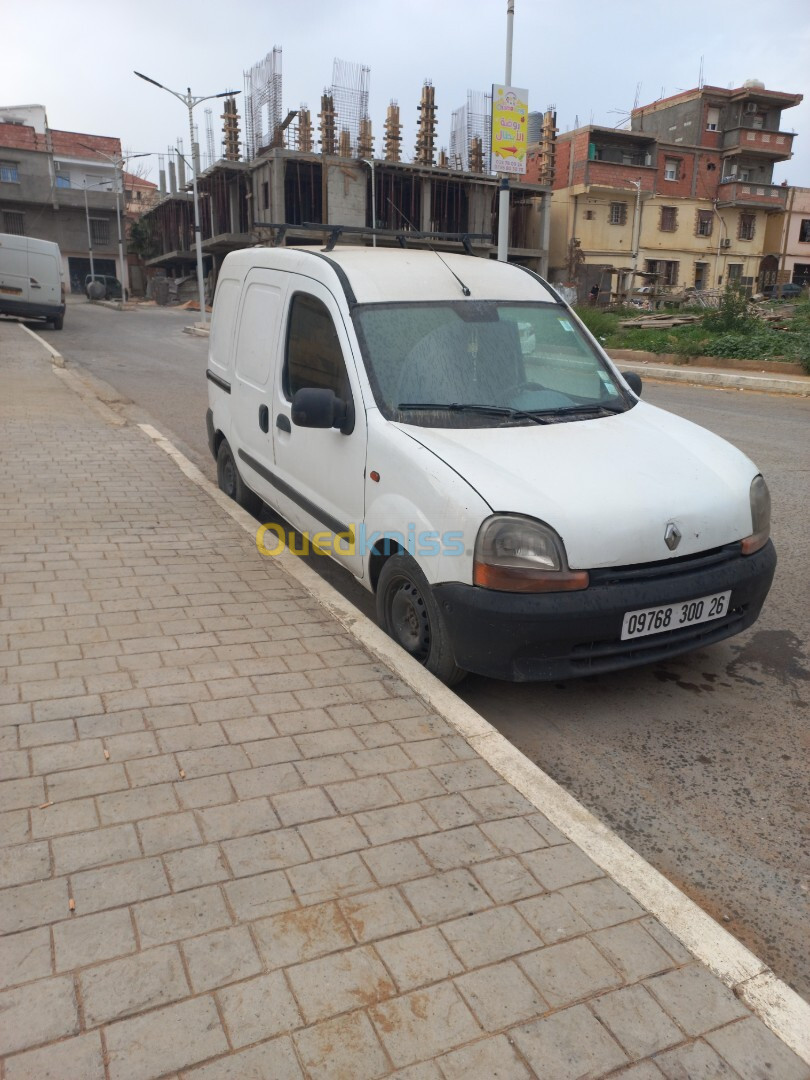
31 278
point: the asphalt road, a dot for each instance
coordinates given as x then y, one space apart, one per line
700 764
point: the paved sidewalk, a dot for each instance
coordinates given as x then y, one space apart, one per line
236 846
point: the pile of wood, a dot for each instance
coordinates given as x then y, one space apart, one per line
658 322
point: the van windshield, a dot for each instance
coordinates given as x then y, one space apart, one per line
483 364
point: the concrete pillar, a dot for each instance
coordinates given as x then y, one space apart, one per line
427 209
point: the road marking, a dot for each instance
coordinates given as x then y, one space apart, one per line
782 1009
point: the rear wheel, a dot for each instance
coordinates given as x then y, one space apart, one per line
231 482
57 322
408 613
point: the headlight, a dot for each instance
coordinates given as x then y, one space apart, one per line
518 554
760 516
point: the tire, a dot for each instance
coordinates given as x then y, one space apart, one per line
57 322
231 482
408 613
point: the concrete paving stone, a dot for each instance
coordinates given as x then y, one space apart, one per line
695 1061
68 755
24 957
91 938
48 688
183 915
493 1058
237 819
145 772
636 1021
249 729
602 903
81 1058
333 836
324 743
506 880
557 867
642 1070
169 833
271 1060
463 775
124 883
259 896
402 708
248 855
396 862
271 751
569 972
377 914
378 689
429 752
352 715
457 847
220 958
339 982
37 1013
80 851
369 793
498 801
195 866
489 936
450 811
212 760
552 917
26 906
513 836
304 934
21 794
164 1040
63 818
19 713
755 1052
668 942
105 724
501 996
137 744
53 731
568 1045
316 772
297 721
132 985
381 760
346 1048
307 804
632 951
324 879
120 700
8 738
266 780
445 896
136 803
68 708
191 737
211 791
77 783
13 827
397 822
415 784
24 863
168 716
14 764
424 1023
258 1009
376 734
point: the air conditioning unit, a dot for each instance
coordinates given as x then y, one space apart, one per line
750 106
725 243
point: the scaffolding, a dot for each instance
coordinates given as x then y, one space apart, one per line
548 146
230 130
327 124
301 133
393 134
350 90
426 127
262 102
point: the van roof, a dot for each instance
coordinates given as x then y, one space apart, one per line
385 275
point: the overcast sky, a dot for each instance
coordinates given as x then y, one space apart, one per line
587 57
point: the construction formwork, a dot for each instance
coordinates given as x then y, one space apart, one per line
426 127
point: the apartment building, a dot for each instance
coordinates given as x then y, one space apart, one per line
680 199
788 239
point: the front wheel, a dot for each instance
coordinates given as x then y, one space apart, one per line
231 482
408 613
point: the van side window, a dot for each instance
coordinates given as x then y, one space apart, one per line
314 356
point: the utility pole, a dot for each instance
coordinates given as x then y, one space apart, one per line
503 194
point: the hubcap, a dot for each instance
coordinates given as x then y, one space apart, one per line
409 619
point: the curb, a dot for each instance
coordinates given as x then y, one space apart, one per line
56 357
735 381
784 1011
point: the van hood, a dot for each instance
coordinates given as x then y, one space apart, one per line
609 486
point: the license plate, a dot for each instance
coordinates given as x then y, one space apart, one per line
657 620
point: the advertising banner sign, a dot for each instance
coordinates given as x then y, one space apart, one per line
510 123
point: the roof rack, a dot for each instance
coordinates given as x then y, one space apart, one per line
401 236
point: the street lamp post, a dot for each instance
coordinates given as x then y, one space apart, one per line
503 195
190 101
89 234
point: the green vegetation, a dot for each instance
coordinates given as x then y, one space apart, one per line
730 331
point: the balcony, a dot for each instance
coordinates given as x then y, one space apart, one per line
74 197
752 196
775 144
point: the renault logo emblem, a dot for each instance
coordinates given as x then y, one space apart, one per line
672 535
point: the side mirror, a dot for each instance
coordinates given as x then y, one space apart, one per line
633 381
317 408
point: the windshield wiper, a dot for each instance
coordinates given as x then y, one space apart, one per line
575 410
490 410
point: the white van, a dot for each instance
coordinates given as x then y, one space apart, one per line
31 284
446 428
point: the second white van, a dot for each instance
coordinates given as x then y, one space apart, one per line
31 283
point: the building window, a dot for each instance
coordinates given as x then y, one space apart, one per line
735 273
8 172
745 231
669 219
804 231
100 232
266 195
705 220
14 223
712 119
62 180
672 169
618 213
665 269
589 215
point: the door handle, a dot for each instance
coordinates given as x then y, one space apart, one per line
35 284
283 422
264 418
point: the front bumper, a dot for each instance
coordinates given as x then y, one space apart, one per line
543 636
